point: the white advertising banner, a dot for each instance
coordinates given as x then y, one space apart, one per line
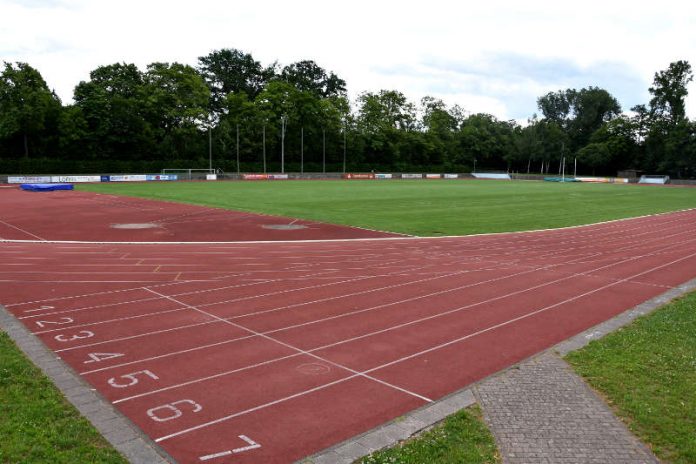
28 179
75 179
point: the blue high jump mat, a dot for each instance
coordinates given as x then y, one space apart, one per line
45 187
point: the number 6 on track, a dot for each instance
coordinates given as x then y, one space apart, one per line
132 379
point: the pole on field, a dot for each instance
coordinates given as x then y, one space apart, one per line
575 171
344 148
302 150
210 151
563 175
283 122
264 148
238 170
323 150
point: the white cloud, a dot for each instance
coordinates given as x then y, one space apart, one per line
372 44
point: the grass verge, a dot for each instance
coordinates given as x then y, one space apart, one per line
461 438
647 373
425 207
37 424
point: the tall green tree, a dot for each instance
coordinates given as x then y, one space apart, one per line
113 102
669 91
308 76
27 106
233 71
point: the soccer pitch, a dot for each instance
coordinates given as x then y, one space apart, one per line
423 207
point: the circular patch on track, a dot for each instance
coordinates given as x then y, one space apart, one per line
284 226
142 225
313 368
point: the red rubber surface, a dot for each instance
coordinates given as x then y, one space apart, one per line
87 216
272 352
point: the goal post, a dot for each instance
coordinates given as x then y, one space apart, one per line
191 173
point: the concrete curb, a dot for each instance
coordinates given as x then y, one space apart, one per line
119 431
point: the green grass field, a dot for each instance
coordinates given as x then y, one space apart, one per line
647 373
36 423
461 438
425 208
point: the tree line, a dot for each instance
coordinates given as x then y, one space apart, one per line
246 115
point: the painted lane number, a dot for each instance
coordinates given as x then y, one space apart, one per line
170 411
64 320
99 357
132 379
251 444
77 336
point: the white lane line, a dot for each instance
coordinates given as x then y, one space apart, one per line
21 230
406 358
372 308
294 348
232 340
381 331
381 239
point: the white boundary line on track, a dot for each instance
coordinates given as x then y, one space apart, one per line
256 242
411 356
19 229
405 324
294 348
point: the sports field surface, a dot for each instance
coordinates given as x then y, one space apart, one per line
272 351
424 207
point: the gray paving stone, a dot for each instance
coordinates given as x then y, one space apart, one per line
543 412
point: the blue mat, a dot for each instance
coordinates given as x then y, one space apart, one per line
45 187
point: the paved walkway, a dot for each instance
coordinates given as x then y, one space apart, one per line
542 412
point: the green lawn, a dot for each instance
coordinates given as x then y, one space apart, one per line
37 424
647 373
461 438
426 208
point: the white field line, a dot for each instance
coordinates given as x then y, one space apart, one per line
406 358
402 284
641 244
333 317
388 329
19 229
262 295
512 248
232 340
444 237
299 350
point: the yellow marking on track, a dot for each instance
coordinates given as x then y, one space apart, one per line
157 268
177 276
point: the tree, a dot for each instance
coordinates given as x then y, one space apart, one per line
114 105
579 112
669 91
383 119
308 76
26 104
231 70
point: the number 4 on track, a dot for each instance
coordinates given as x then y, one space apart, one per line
251 444
98 357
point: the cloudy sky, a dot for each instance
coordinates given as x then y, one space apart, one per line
490 56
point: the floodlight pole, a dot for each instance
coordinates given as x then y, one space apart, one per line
283 121
323 150
264 148
238 170
210 149
345 127
302 150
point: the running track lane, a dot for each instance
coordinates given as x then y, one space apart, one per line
272 352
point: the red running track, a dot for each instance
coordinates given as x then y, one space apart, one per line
65 215
272 352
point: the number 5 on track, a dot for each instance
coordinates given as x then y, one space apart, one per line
132 379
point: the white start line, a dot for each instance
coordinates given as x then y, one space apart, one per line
251 444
